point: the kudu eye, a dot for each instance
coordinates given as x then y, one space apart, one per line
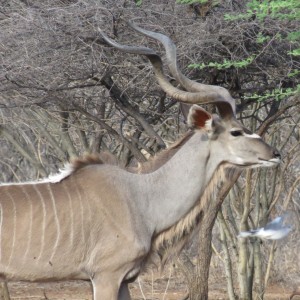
236 132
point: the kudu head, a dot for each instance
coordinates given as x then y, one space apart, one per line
230 141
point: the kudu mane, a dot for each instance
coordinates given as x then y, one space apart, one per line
171 241
162 157
89 159
147 167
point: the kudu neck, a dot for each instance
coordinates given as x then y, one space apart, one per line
177 185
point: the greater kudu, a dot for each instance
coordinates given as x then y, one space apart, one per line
100 222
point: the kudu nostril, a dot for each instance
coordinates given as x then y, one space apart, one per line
277 154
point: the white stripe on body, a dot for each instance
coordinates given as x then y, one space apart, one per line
30 224
71 215
81 208
44 221
56 221
14 227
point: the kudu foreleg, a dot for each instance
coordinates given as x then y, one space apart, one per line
4 293
124 292
105 288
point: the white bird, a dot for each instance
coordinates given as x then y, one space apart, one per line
274 230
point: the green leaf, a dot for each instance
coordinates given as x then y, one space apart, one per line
225 65
260 39
294 36
278 94
138 2
192 1
294 73
295 52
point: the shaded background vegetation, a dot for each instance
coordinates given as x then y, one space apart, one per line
65 93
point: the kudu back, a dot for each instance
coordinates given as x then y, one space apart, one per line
100 222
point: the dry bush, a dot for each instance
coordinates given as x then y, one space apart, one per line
65 93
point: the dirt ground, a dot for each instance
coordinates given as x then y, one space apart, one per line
150 288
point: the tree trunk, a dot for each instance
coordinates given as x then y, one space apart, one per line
199 289
197 276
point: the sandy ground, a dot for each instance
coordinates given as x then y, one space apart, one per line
153 289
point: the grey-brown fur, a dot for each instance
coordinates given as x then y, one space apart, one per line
101 222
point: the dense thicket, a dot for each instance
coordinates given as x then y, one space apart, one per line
64 93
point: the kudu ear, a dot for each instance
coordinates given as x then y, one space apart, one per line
198 117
